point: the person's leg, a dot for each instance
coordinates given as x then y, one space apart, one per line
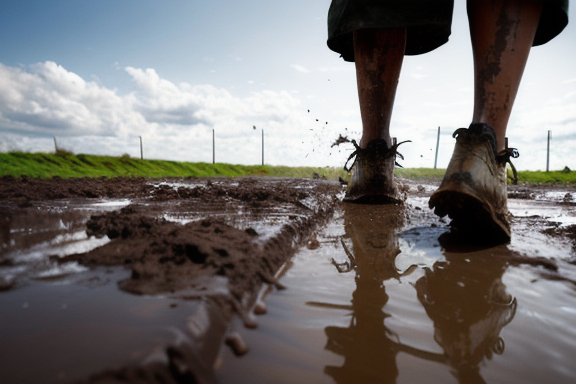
473 191
502 33
378 57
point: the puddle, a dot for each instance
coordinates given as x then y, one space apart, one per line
384 302
552 211
31 236
63 330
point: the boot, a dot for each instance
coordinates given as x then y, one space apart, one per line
372 178
473 192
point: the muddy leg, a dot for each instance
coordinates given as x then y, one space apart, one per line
473 191
502 32
378 56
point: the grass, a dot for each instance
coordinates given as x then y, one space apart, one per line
66 164
561 177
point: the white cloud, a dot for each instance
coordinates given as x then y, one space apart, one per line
48 100
175 120
300 68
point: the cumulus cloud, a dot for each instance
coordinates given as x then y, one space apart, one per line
160 101
47 99
175 120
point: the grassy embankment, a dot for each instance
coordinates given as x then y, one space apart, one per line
66 164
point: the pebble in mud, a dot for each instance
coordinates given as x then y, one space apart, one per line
260 308
237 344
249 321
313 243
6 283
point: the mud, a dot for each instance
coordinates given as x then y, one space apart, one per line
206 246
212 241
340 140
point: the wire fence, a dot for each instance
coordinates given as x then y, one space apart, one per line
435 149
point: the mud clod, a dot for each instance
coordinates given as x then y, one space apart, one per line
340 140
237 344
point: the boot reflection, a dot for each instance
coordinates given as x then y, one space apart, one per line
366 344
467 301
464 296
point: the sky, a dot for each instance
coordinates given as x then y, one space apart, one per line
96 75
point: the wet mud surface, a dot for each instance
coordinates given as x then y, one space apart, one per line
146 280
212 242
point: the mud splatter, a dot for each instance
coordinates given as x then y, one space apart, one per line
340 140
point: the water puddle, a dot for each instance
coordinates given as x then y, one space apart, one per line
31 237
62 330
380 300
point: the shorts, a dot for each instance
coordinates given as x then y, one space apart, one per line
428 23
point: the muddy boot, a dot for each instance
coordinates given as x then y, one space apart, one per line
372 180
473 192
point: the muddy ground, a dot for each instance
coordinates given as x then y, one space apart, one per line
216 242
224 239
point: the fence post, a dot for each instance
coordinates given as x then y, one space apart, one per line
437 145
141 149
548 151
55 145
213 148
262 146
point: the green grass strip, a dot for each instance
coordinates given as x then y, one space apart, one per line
66 164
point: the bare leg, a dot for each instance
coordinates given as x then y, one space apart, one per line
502 32
378 56
473 190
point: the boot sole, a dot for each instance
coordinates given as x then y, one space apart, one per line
470 216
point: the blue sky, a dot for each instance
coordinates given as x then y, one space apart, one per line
96 74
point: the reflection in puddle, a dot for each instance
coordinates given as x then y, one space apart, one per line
381 301
464 297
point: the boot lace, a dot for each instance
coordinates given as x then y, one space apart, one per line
388 152
504 156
